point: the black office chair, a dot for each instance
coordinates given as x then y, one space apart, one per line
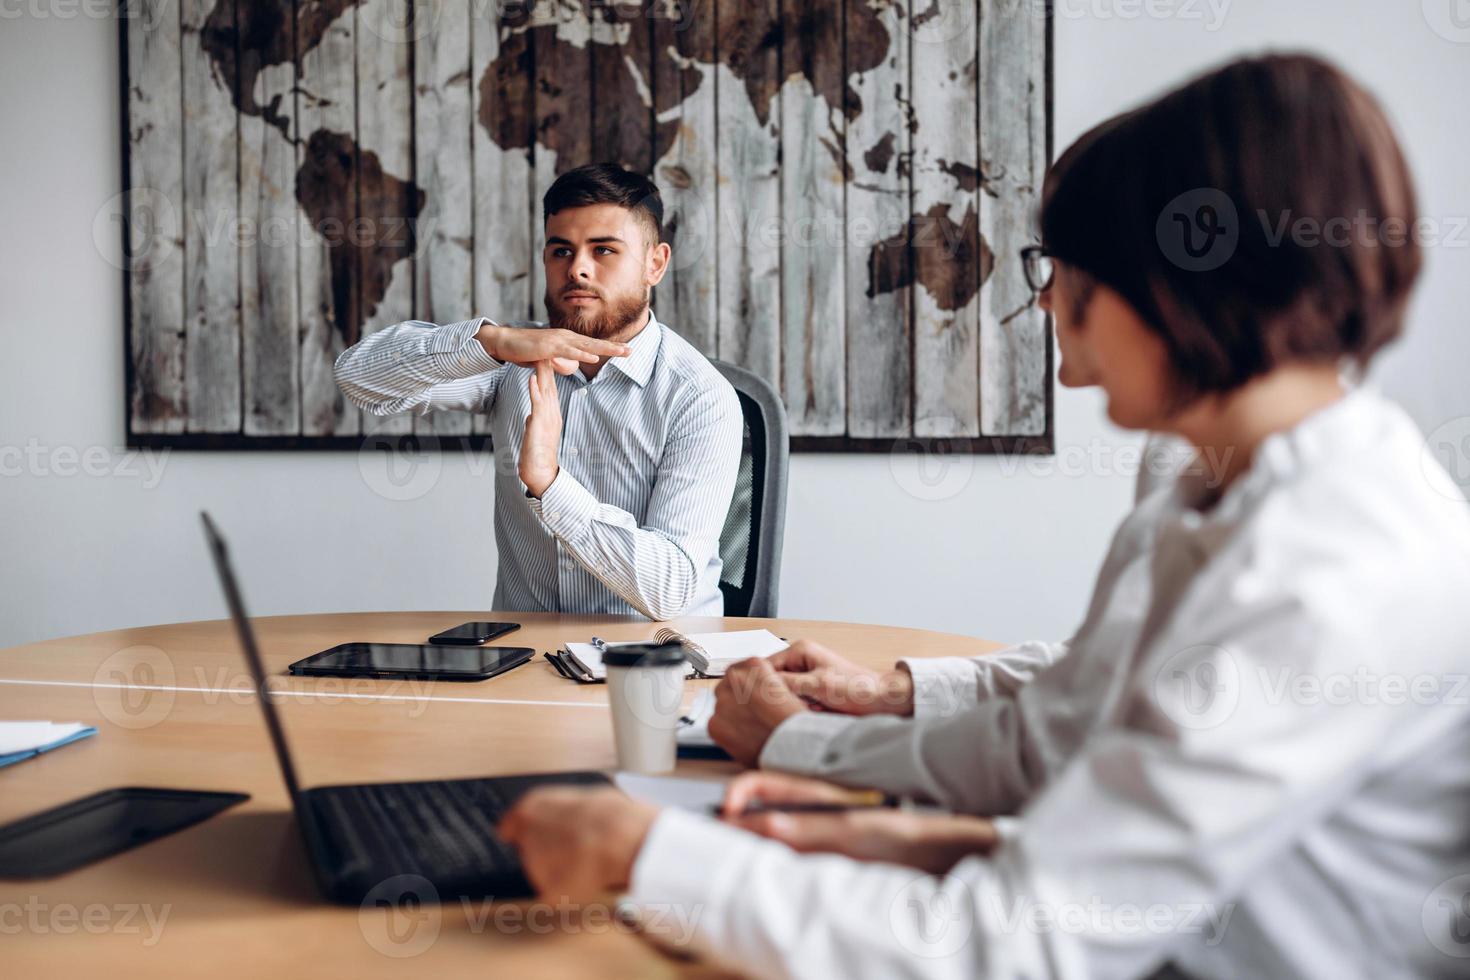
750 544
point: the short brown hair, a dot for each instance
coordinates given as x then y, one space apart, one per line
608 183
1234 161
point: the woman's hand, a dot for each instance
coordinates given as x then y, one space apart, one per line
829 681
577 843
933 844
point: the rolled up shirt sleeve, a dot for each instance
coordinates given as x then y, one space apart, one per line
656 565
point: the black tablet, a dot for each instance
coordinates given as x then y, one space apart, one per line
413 660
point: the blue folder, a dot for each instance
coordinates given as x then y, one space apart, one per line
14 757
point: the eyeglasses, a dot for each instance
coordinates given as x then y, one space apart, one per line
1040 269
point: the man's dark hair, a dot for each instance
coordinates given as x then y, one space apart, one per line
1191 209
608 183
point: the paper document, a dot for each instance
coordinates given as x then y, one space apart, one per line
696 795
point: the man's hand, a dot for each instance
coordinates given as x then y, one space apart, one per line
750 701
542 438
577 843
828 681
564 350
934 844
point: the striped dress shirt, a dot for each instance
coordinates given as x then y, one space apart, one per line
649 453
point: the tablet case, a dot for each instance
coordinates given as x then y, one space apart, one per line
94 827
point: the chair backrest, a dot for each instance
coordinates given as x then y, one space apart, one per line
750 544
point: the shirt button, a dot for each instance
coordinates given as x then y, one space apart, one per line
571 450
581 392
554 515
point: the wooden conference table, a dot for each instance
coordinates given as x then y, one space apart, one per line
233 896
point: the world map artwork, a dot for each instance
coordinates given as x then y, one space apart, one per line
334 169
870 110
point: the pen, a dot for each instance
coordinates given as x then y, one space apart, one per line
859 801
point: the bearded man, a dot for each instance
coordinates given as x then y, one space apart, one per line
623 477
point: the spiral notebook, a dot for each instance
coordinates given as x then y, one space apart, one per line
710 654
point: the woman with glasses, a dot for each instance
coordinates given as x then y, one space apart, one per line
1254 757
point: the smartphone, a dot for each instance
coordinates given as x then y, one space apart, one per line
433 663
473 634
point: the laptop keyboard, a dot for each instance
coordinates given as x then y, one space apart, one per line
442 830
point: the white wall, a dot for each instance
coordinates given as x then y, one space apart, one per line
1006 555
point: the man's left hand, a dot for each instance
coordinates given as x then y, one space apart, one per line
750 701
542 439
577 844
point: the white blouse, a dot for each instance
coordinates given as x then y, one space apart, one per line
1253 758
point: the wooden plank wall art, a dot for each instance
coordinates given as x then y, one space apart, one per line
847 184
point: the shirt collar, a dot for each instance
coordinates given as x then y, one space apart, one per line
639 364
1331 430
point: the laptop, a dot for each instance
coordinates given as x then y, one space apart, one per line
360 836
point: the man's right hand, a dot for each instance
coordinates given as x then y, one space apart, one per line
565 349
830 682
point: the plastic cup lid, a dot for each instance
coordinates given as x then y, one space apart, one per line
645 655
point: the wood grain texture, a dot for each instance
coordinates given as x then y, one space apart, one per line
684 99
443 120
502 137
211 214
236 888
845 185
748 200
326 103
879 271
563 93
620 106
813 218
154 213
1013 331
386 205
269 300
944 240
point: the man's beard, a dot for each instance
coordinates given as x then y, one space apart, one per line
618 313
